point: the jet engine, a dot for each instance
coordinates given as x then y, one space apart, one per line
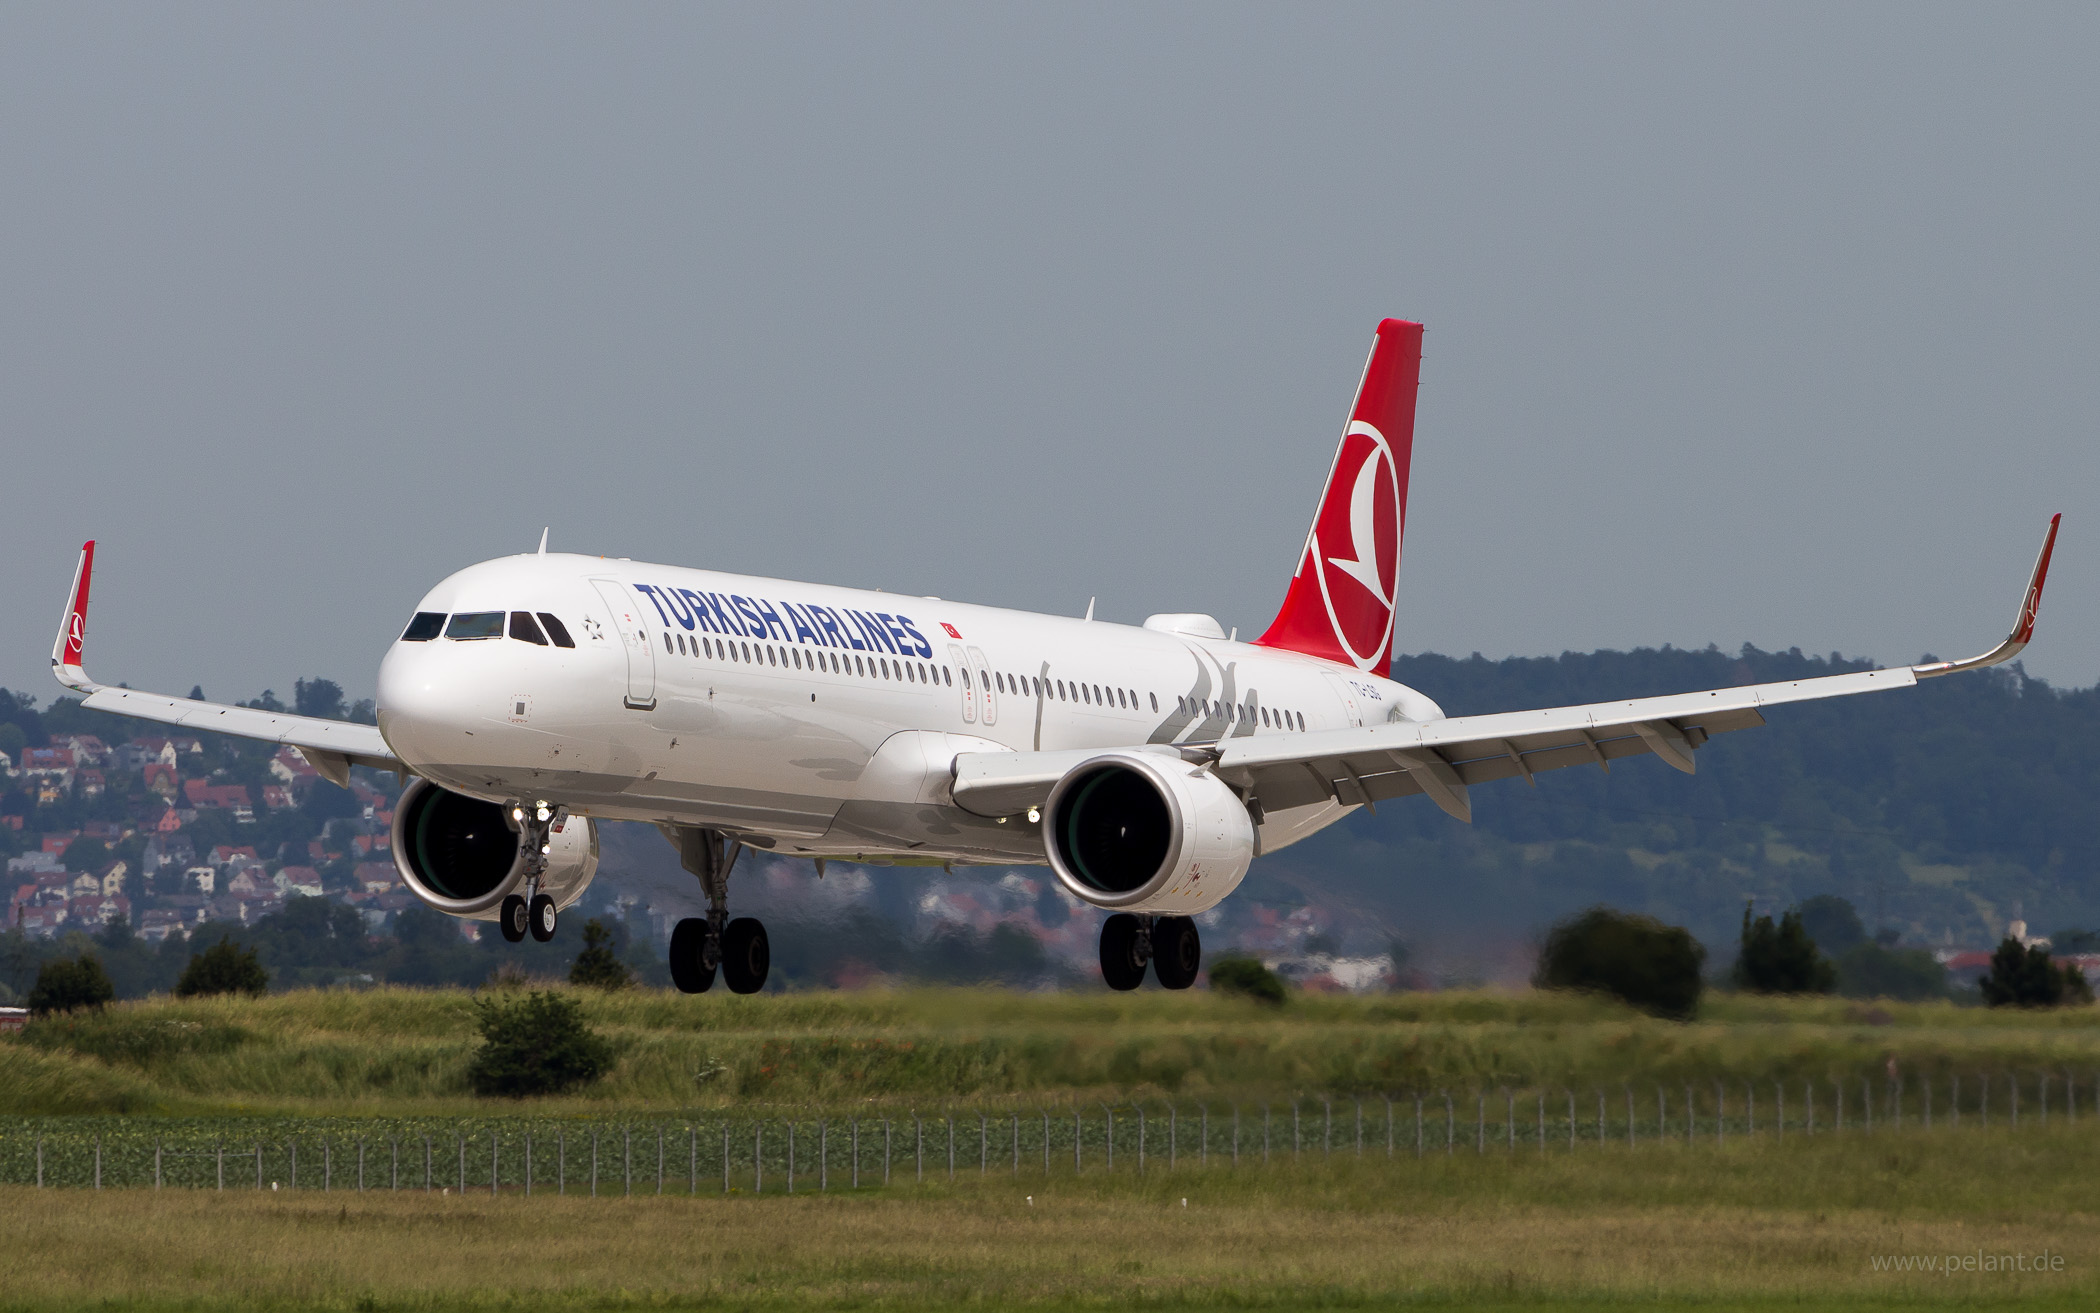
1145 832
462 856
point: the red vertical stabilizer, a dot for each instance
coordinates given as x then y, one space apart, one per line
1340 605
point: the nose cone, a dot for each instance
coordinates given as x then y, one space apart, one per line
432 699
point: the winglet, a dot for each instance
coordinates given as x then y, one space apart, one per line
2023 626
72 630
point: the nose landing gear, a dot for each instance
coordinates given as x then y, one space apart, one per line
532 912
739 948
1169 943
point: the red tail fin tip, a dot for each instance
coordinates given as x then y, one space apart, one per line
1340 603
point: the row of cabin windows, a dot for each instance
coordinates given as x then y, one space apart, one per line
428 625
1242 711
488 624
766 654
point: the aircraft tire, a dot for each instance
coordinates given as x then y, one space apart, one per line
1121 965
746 955
542 916
689 968
512 918
1177 951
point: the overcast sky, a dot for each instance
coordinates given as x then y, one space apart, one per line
1745 323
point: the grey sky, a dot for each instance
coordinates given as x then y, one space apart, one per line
1768 323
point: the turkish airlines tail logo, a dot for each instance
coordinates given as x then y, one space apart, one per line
1340 604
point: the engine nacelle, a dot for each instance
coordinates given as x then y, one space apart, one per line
1145 832
462 856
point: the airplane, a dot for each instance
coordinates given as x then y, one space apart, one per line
531 697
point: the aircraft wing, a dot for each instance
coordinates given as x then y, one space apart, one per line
331 746
1442 758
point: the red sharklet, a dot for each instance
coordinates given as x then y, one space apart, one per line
1341 600
76 612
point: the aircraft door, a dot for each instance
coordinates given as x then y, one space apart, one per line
1347 696
634 641
984 682
967 685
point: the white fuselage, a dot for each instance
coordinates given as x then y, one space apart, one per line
816 720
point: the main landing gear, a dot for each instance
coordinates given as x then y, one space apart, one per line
699 947
535 914
1169 943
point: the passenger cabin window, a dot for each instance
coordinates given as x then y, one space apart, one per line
557 631
525 629
476 624
426 626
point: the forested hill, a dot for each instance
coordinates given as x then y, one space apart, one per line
1938 810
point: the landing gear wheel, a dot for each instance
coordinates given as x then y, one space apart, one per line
690 969
512 918
1177 951
746 956
541 914
1122 961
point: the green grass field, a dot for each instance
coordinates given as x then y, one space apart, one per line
1752 1221
403 1052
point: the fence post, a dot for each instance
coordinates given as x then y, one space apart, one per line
1954 1099
528 1163
1720 1114
594 1162
1046 1144
1509 1118
1297 1139
2012 1081
1630 1141
360 1164
1203 1138
1265 1135
1808 1088
1141 1139
258 1165
725 1156
561 1161
98 1161
1078 1137
220 1153
1983 1101
1419 1145
949 1121
1017 1143
791 1155
1359 1125
659 1159
40 1163
1750 1104
1388 1125
1662 1116
291 1158
1866 1103
984 1144
885 1151
1779 1096
495 1161
921 1147
856 1153
458 1138
327 1165
823 1155
1450 1126
1925 1091
1480 1122
627 1160
692 1161
758 1157
2045 1098
1571 1117
1691 1115
156 1162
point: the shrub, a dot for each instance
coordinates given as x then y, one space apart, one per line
1248 978
1781 959
1654 967
2028 978
537 1044
1910 974
223 969
64 984
597 965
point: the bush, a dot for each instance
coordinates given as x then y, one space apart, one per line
1781 959
64 984
2024 977
598 966
1654 967
1248 978
538 1044
1910 974
223 969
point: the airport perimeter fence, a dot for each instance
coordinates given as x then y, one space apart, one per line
786 1153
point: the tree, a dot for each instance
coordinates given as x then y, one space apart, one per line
1247 978
318 697
223 969
1875 971
538 1044
598 965
1781 959
85 854
2026 977
1654 967
1832 923
65 984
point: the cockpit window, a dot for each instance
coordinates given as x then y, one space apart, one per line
426 626
556 630
476 624
523 626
